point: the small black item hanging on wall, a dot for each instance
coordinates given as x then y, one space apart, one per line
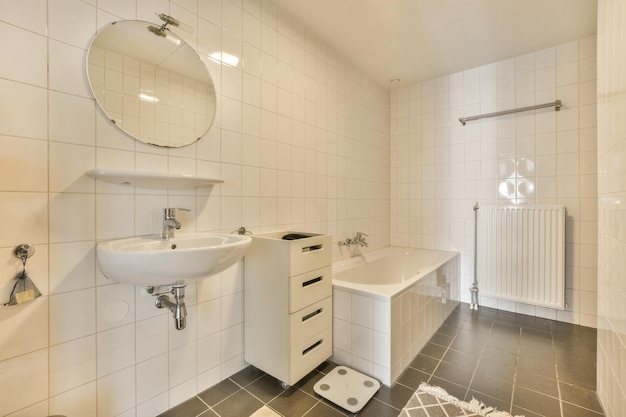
24 289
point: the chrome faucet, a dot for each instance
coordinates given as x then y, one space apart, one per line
359 239
170 224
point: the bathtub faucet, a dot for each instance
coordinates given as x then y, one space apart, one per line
359 239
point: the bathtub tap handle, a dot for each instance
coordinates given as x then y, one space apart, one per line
360 239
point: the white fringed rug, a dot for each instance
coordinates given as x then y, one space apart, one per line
436 402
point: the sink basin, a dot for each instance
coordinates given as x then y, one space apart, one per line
151 260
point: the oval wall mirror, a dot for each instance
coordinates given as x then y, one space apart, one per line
151 83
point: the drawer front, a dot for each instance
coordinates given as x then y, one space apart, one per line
308 288
309 254
308 355
311 320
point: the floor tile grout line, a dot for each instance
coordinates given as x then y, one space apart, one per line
387 404
208 407
241 388
244 388
319 400
517 359
249 383
312 407
581 407
223 399
467 391
440 360
263 402
449 347
406 386
556 373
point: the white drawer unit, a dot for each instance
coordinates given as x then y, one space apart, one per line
307 288
288 304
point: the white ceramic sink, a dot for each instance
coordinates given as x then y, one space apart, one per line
151 260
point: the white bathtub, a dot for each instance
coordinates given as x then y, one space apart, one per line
387 304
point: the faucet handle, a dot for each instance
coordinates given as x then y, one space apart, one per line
170 212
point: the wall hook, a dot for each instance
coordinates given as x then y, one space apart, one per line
23 252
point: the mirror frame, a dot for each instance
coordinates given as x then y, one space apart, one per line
162 102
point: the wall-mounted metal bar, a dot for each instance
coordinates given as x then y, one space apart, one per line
556 104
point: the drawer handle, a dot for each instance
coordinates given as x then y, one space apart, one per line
312 281
313 346
313 314
312 248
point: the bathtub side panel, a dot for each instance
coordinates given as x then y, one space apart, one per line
419 312
398 328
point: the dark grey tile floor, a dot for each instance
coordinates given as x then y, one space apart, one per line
521 364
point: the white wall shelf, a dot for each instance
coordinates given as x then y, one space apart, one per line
152 179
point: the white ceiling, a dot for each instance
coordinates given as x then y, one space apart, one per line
417 40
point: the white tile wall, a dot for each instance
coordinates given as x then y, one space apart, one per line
72 364
24 373
301 138
439 167
611 237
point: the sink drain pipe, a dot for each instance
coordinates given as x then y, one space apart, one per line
177 307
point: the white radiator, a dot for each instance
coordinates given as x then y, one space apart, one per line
521 254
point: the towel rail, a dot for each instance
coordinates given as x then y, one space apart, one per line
556 104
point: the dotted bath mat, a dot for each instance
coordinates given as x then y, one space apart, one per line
347 388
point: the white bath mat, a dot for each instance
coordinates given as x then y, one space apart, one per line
430 400
347 388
